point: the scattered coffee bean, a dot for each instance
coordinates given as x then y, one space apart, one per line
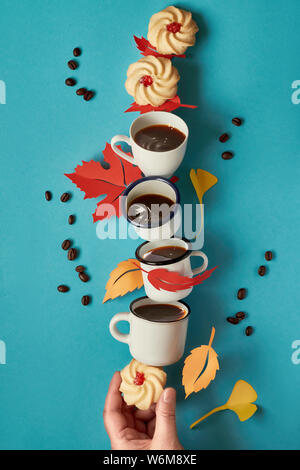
262 270
70 82
83 277
268 255
88 95
227 155
79 269
241 294
248 331
81 91
236 121
76 52
85 300
63 288
72 254
66 244
48 195
232 320
71 219
72 64
240 315
65 197
224 137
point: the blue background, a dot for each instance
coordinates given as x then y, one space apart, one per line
60 355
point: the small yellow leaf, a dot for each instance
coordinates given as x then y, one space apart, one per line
240 401
194 377
202 181
126 277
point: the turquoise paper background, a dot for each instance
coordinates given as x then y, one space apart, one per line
60 355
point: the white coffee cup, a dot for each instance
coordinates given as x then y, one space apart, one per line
153 163
181 265
154 343
170 223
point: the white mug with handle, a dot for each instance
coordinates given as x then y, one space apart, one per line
153 163
152 342
181 265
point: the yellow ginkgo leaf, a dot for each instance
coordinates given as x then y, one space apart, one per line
126 277
240 401
194 376
202 181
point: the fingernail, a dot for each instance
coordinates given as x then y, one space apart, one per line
169 395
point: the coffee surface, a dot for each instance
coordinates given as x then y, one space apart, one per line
144 209
164 253
159 138
160 312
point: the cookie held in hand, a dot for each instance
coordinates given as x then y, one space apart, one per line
142 385
152 80
172 31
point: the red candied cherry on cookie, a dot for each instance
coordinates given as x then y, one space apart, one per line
139 378
174 27
146 80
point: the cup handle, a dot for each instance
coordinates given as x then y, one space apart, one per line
121 138
124 338
204 265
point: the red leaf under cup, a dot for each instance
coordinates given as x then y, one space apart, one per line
169 105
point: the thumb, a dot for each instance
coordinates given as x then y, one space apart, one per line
165 428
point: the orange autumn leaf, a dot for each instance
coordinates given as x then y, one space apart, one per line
126 277
195 376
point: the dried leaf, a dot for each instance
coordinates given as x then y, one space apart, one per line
194 376
145 47
169 105
125 278
202 181
94 180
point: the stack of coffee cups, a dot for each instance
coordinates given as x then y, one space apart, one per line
158 322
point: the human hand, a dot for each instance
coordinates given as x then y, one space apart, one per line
131 429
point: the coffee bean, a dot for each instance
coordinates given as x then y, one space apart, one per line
72 64
83 277
248 331
65 197
79 269
48 195
233 320
224 137
236 121
76 52
66 244
262 270
268 255
81 91
72 254
241 294
71 219
63 288
227 155
70 81
240 315
88 95
85 300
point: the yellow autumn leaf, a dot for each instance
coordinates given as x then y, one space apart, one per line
202 181
240 401
126 277
195 376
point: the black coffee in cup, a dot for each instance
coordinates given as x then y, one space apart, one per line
159 138
160 312
148 208
164 253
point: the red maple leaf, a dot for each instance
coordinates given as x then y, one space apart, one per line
169 105
95 181
145 47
